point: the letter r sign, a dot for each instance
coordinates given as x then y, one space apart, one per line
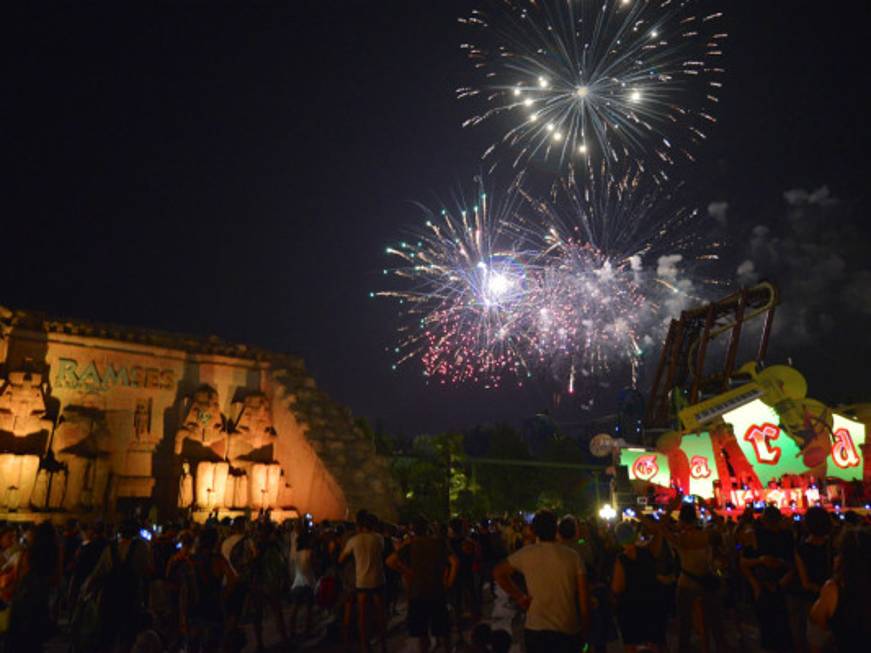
761 438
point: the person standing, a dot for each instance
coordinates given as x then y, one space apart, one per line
269 577
767 564
84 626
429 568
463 592
556 604
490 551
121 574
182 587
697 581
302 591
30 621
367 549
214 579
814 557
843 606
639 592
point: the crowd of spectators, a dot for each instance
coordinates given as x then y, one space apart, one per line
686 576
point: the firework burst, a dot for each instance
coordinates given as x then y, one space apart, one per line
571 81
617 258
464 281
572 287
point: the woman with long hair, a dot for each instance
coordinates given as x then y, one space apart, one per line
302 590
843 606
30 623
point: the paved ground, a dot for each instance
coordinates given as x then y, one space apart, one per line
743 636
499 614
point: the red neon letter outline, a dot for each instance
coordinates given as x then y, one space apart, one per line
761 437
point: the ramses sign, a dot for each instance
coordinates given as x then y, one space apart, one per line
92 378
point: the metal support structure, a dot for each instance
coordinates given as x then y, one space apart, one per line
700 354
518 462
734 341
683 357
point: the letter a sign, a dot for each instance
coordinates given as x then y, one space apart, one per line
844 452
699 467
845 460
645 467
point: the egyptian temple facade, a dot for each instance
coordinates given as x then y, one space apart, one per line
101 419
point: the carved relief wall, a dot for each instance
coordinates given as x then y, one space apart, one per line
92 416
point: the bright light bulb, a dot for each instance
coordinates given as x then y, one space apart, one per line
654 34
516 91
557 136
542 82
635 96
583 91
550 127
533 118
582 148
607 512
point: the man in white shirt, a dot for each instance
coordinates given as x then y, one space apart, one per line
556 605
367 548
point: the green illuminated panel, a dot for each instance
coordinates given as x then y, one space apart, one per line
774 453
646 466
703 466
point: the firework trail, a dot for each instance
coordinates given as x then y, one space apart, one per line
569 81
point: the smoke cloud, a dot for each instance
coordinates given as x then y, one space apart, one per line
815 254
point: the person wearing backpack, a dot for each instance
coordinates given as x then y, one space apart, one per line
30 620
214 579
239 551
429 568
268 581
181 582
119 581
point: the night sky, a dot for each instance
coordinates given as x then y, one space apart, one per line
237 170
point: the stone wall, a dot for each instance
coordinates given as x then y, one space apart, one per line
340 446
111 413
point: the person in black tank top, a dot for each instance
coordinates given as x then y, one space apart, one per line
640 604
207 612
843 606
814 556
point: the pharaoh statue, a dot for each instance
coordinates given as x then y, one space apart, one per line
81 442
24 426
235 465
256 475
22 405
185 487
204 433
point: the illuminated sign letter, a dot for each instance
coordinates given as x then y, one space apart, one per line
645 468
761 437
66 374
844 452
112 378
699 467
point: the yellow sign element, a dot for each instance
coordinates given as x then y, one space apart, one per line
694 417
